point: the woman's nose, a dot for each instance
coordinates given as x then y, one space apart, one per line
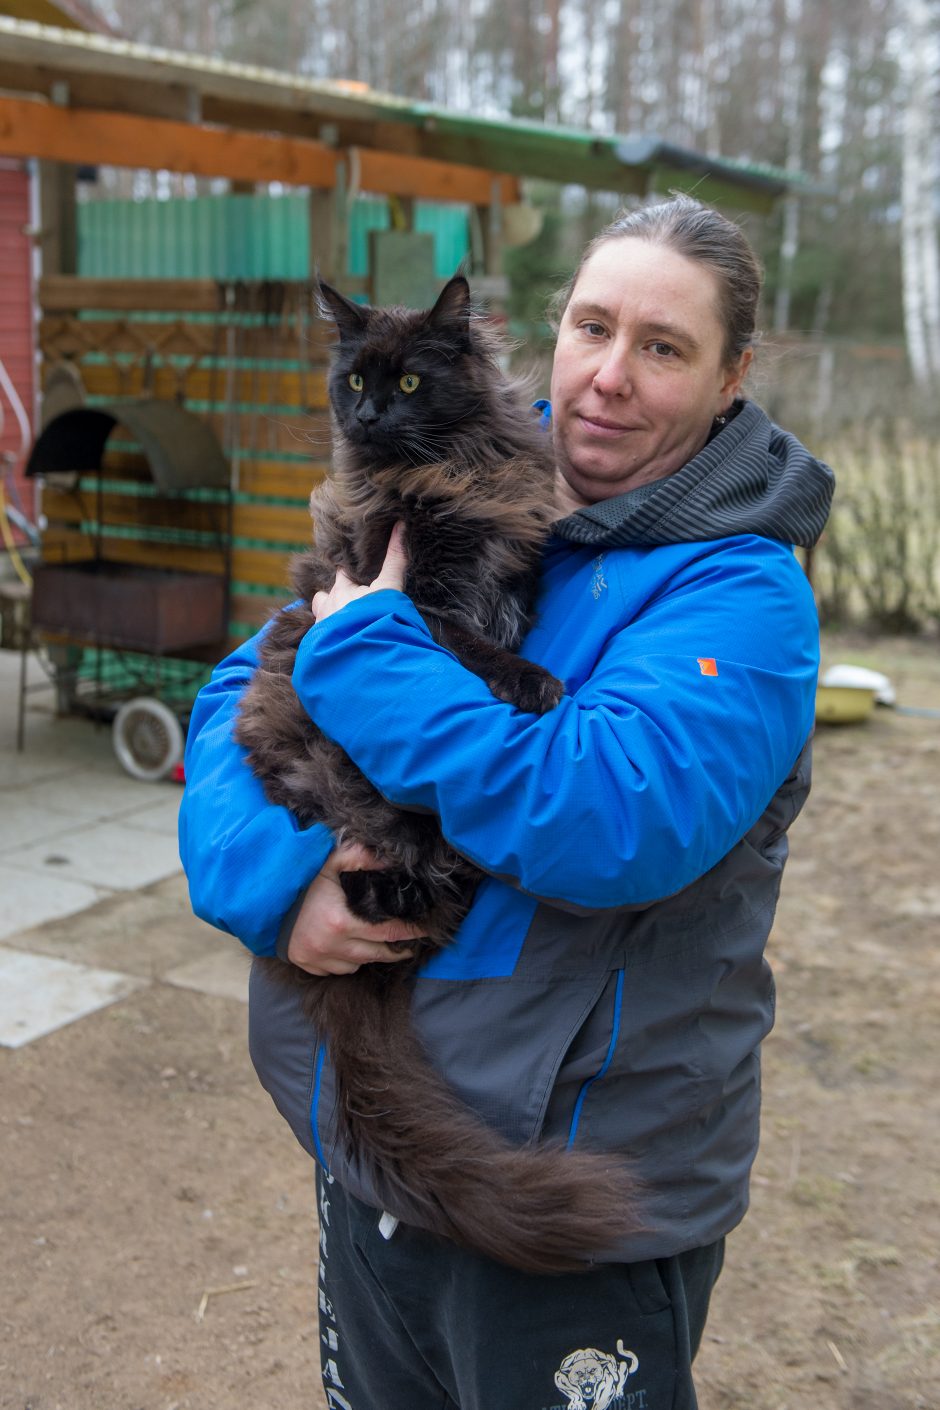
612 378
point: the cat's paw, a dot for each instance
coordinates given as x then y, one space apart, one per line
533 690
377 896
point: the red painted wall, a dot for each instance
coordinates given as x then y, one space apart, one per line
16 307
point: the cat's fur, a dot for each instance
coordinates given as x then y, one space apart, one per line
462 463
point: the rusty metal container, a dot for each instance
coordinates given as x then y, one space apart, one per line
121 605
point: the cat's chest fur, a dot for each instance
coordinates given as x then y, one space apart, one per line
459 569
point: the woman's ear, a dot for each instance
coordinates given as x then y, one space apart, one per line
734 380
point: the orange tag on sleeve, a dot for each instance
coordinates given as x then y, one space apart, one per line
707 665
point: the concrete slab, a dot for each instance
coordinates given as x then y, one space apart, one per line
143 932
161 815
23 821
29 900
103 854
223 973
39 994
104 791
19 771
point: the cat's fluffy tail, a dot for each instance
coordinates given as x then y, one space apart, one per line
539 1208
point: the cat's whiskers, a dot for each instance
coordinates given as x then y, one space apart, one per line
419 450
464 415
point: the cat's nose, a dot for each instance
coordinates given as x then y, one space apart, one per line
367 414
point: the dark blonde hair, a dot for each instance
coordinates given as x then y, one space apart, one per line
701 234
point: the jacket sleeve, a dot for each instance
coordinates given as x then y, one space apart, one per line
246 860
639 781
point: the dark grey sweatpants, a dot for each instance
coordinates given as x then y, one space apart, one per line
413 1323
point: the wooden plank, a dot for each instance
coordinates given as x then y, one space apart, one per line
285 481
68 337
391 173
263 388
263 433
273 523
85 135
269 523
125 465
260 433
262 567
129 511
255 609
63 335
274 478
57 201
64 293
31 128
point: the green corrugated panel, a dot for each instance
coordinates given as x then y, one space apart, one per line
240 237
450 226
367 214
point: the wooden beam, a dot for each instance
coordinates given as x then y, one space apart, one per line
35 129
105 91
68 293
389 172
59 217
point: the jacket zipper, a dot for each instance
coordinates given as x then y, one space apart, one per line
315 1104
589 1082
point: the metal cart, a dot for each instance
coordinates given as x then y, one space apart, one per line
149 629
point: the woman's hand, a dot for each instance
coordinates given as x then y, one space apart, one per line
344 590
327 938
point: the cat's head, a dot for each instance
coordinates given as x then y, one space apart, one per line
404 382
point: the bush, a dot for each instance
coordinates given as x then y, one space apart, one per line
878 562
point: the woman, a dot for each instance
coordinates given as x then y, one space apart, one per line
608 985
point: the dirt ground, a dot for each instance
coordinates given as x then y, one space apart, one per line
144 1169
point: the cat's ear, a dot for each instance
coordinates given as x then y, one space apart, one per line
350 318
453 304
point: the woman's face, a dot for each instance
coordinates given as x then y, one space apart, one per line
638 375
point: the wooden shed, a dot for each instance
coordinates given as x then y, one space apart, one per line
250 358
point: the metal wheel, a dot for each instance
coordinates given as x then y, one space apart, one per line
147 738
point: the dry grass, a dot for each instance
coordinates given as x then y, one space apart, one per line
878 563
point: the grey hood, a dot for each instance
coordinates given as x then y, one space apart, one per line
751 478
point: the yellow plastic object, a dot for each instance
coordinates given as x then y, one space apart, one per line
843 704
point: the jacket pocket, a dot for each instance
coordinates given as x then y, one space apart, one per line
584 1061
501 1045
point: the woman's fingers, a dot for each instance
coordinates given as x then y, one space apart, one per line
395 566
344 590
328 939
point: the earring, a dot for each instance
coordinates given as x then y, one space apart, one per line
721 420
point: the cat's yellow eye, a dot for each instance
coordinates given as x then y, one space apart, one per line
409 383
356 382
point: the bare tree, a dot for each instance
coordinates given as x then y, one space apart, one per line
919 248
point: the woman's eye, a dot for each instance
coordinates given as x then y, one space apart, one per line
664 350
409 382
593 330
356 382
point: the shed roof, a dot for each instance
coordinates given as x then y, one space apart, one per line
136 78
68 14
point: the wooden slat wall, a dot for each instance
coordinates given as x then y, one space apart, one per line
252 362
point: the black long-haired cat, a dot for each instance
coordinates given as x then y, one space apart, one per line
427 431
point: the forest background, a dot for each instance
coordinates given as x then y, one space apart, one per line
843 91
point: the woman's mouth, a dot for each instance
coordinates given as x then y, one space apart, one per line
600 426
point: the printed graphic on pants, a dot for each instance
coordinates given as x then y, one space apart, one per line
329 1335
595 1380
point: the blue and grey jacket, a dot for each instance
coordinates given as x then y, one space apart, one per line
608 985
